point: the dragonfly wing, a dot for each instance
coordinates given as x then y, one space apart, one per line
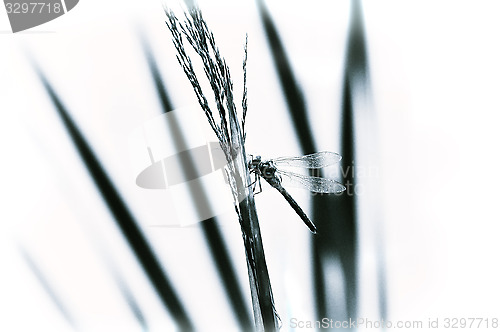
311 183
315 160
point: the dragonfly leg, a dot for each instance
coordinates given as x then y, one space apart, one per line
260 185
254 181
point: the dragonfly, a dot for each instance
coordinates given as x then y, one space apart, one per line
271 171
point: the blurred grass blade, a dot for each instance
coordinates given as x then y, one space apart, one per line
47 287
123 217
356 88
210 228
342 210
129 296
336 236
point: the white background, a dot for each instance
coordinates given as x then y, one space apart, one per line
434 78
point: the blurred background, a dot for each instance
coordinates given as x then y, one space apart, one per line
406 91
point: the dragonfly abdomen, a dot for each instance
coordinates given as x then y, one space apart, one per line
296 207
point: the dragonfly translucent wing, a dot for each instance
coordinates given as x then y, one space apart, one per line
315 160
311 183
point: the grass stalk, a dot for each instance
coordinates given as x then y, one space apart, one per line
231 135
210 227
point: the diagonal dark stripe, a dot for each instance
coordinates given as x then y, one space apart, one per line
211 231
123 217
47 287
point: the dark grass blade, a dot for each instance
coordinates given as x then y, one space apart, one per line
356 82
122 216
336 230
48 288
342 210
336 219
210 228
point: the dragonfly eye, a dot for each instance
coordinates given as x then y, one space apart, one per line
268 171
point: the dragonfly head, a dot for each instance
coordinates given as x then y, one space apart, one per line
267 169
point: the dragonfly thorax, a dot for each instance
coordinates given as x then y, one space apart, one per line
266 169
